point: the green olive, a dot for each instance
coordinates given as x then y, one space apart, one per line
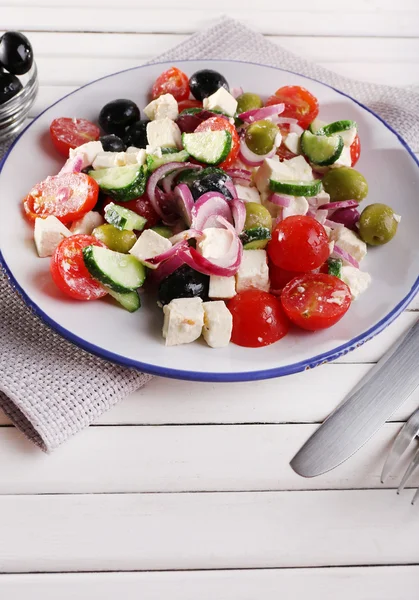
378 224
257 216
163 231
345 183
260 136
115 239
248 101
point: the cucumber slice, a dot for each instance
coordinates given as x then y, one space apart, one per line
154 162
336 127
334 267
130 301
123 218
296 188
162 230
255 238
122 183
320 149
120 272
210 147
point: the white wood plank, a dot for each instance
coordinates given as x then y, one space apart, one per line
211 531
186 459
353 583
297 20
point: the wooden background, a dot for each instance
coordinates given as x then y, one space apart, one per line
184 490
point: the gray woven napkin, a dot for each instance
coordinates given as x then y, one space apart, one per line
52 389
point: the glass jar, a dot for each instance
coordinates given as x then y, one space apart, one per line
14 112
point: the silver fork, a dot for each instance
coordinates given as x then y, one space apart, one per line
408 433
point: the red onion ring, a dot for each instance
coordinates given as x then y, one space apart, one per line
339 252
207 208
280 200
257 114
185 202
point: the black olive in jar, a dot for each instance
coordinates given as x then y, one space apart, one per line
9 86
117 115
112 143
206 82
16 54
136 135
185 282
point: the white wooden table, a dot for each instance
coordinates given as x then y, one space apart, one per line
184 490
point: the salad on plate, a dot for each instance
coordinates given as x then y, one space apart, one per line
240 215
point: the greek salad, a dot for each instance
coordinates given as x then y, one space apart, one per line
241 215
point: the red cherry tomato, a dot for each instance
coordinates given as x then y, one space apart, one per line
258 319
279 277
184 104
142 206
223 124
69 133
355 150
173 81
299 104
315 300
69 271
299 243
67 197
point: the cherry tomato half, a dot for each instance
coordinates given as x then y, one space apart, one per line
299 243
69 133
258 319
184 104
223 124
299 104
355 150
67 197
142 206
279 277
69 271
173 81
315 300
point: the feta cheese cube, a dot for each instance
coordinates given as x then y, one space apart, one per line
357 281
222 287
105 160
164 133
294 169
221 100
87 151
163 107
247 194
349 241
149 245
87 223
344 159
215 243
48 234
135 156
292 142
183 321
348 136
218 324
298 206
253 271
322 198
154 150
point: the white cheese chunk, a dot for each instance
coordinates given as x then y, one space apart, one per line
221 100
344 159
149 245
48 234
350 242
294 169
218 324
215 242
292 142
183 321
135 156
298 206
164 133
104 160
321 198
253 271
87 223
247 194
87 151
163 107
154 150
348 136
222 287
357 281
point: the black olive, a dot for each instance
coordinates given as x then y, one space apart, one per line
112 143
212 182
204 83
136 135
117 115
16 52
185 282
9 86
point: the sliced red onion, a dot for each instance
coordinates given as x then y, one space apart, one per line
236 92
250 158
166 268
187 123
207 208
341 204
295 128
231 188
321 216
155 178
280 200
239 174
187 234
168 181
339 252
185 202
286 121
207 267
257 114
238 210
333 225
348 217
72 165
175 249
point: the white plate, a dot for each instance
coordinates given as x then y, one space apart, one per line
135 339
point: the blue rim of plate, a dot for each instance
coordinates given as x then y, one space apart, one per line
208 376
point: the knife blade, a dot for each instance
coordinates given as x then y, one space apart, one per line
364 410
